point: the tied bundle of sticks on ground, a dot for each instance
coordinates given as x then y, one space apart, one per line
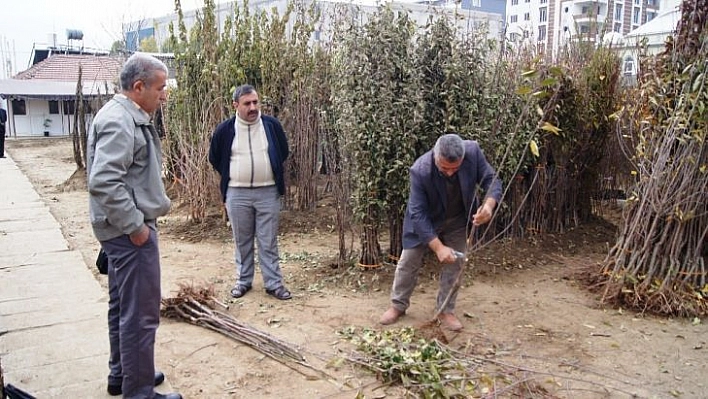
195 305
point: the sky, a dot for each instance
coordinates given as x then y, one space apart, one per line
24 23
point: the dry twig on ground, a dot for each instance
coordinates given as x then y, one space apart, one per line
192 304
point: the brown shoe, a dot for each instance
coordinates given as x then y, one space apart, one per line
391 316
450 321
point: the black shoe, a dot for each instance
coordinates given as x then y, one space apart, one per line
115 390
172 395
239 290
281 293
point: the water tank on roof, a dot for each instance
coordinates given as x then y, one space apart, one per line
74 34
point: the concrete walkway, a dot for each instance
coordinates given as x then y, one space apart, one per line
53 332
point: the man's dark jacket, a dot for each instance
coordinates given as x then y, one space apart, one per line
425 212
223 139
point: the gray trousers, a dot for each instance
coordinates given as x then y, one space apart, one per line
408 267
133 313
255 214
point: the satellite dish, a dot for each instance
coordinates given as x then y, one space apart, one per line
74 34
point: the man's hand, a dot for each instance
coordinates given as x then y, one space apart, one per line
446 254
484 212
141 236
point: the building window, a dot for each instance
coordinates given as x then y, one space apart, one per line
514 37
584 29
527 1
19 107
53 107
514 19
628 66
638 2
541 47
69 107
618 27
543 14
526 34
527 17
542 33
636 14
650 15
566 10
514 2
618 12
544 1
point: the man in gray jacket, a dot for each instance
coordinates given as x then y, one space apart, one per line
126 196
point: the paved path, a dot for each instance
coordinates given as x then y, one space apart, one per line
53 332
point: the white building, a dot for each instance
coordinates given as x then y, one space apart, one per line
419 10
550 24
649 38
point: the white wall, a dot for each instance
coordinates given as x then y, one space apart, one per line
32 123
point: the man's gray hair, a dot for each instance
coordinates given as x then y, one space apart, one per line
242 91
449 147
140 66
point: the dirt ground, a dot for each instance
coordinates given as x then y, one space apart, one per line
522 306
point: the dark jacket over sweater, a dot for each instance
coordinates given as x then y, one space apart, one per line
425 212
223 139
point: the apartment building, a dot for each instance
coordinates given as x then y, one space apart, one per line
550 24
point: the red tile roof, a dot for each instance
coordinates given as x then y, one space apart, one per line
61 67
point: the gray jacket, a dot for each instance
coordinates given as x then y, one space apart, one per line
124 159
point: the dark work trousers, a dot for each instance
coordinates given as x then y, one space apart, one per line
133 313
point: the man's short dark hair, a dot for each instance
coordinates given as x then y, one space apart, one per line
242 91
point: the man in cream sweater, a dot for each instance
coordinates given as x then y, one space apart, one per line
248 151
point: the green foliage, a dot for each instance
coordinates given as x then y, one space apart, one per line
401 356
376 95
148 45
117 47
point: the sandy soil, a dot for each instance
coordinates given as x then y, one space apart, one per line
521 304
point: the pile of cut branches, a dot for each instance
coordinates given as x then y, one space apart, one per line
430 369
193 305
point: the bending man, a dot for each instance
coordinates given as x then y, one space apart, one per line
443 185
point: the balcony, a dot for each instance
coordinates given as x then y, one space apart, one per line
592 2
588 18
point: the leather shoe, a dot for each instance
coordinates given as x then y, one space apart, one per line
391 316
450 321
171 395
117 389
